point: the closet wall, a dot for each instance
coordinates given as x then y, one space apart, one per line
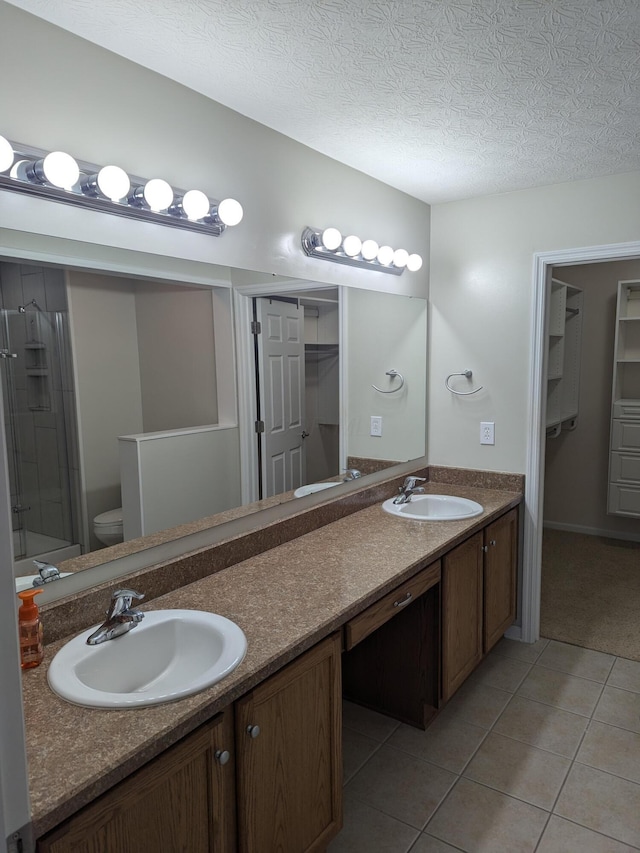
577 461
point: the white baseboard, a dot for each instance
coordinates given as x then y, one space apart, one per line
514 632
592 531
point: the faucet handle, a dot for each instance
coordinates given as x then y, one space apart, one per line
351 474
122 600
410 482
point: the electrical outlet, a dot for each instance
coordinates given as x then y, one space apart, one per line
376 425
487 432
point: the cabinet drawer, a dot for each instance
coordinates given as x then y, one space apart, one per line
626 409
624 500
625 435
625 468
373 617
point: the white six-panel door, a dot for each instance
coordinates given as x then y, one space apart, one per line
281 393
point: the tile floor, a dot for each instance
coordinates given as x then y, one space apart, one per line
538 751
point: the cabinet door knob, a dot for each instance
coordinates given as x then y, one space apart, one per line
222 756
492 541
485 548
253 731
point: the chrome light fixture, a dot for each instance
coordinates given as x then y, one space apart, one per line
58 176
330 245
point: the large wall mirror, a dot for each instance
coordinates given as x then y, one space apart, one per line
135 404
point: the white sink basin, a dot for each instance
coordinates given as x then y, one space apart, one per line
434 508
312 488
168 655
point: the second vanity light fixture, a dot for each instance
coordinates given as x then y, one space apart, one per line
58 176
332 246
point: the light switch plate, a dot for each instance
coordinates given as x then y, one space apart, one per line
487 432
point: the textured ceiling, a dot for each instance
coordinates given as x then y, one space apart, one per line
444 99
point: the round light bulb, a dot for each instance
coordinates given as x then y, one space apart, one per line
230 211
195 204
157 194
385 255
400 258
331 239
414 263
351 245
61 170
369 250
113 182
6 154
18 170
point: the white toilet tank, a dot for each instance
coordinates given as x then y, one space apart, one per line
107 527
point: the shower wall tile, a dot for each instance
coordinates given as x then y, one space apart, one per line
52 520
55 295
12 295
33 286
47 455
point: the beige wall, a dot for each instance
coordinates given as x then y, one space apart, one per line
177 356
481 304
69 94
577 461
108 395
386 332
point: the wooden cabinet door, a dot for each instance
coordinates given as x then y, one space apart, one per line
461 613
290 771
500 562
182 801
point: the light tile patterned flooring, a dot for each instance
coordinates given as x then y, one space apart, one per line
538 751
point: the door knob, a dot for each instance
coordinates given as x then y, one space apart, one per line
253 731
222 756
304 434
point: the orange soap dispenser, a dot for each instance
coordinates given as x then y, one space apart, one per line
30 630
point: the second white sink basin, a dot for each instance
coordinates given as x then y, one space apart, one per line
434 508
168 655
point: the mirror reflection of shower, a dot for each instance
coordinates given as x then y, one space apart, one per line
39 411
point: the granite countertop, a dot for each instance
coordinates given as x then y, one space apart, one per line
285 600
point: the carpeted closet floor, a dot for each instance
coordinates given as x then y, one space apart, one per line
591 592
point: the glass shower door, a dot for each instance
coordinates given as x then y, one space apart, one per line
36 426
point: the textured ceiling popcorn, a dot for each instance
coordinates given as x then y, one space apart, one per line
443 99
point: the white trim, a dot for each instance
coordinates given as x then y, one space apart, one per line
592 531
15 811
246 385
343 382
534 483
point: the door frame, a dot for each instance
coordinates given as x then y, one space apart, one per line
242 317
534 481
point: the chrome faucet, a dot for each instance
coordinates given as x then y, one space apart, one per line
409 488
121 617
351 474
47 573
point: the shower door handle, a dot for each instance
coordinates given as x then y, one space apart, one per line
4 353
18 508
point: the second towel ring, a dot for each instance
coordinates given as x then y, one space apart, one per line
467 374
391 373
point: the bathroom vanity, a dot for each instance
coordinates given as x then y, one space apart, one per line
406 608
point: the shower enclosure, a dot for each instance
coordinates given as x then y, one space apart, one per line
37 387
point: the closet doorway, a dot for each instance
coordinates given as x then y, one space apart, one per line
590 584
544 264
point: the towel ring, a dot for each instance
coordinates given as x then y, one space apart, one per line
392 373
467 374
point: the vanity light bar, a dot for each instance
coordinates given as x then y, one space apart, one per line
58 176
330 245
